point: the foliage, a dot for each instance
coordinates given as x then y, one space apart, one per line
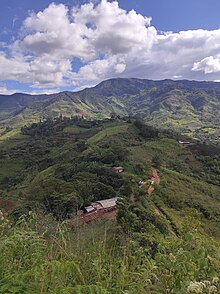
160 244
146 131
99 258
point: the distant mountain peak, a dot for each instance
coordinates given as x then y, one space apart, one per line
190 107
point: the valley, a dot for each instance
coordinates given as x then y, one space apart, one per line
165 225
188 107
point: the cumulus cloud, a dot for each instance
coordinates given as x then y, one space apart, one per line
4 90
101 69
120 68
48 72
86 31
109 42
12 68
42 71
42 91
53 32
208 65
112 29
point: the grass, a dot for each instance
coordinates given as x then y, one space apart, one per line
9 169
165 148
180 191
9 135
9 165
107 132
168 150
118 102
89 260
39 255
75 130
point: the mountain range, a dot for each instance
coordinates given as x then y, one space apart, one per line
189 107
163 235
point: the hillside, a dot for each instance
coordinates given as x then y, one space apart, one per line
189 107
159 243
64 152
166 241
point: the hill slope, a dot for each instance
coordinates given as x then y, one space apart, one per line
74 158
193 108
160 243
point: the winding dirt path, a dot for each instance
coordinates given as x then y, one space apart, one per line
157 211
155 179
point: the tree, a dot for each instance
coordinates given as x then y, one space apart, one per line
62 205
156 161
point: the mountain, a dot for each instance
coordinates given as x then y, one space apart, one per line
189 107
162 236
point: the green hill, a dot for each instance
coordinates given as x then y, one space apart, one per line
166 242
189 107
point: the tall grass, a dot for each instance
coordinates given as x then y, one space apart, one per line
41 256
58 260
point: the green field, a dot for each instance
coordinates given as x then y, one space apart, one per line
107 132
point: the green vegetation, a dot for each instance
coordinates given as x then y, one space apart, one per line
107 132
191 108
41 256
164 243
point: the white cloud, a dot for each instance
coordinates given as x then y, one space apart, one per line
86 31
207 65
42 71
43 91
112 29
48 72
120 68
5 91
52 32
12 68
110 42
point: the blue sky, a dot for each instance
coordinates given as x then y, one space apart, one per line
47 47
173 15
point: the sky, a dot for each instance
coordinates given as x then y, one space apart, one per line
48 47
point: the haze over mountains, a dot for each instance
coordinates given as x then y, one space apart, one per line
190 107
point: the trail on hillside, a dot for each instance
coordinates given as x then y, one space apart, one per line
155 179
157 211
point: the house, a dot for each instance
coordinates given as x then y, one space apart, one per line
119 169
107 204
98 208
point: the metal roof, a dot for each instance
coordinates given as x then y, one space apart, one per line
89 208
108 202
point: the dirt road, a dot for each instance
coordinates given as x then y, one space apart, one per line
155 179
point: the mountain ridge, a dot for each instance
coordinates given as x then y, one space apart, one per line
190 107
